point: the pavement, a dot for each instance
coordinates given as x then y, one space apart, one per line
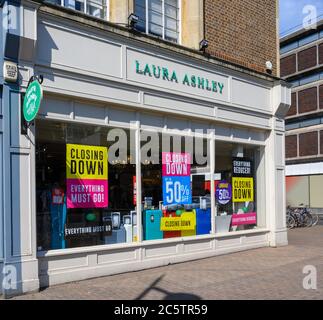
266 273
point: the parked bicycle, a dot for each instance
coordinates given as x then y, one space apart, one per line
300 217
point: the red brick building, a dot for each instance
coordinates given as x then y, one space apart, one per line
302 65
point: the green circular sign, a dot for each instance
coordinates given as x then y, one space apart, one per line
91 217
32 100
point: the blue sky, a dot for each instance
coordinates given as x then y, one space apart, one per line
291 13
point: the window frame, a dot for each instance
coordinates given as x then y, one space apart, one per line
106 8
179 21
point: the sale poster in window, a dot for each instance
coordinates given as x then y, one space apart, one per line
243 189
223 192
176 169
86 176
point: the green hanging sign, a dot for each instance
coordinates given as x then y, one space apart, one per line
32 100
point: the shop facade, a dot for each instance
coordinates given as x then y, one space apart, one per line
140 156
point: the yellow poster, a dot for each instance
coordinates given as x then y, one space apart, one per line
186 222
86 162
242 189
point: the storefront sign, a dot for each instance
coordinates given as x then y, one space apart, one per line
87 176
244 219
190 80
32 100
185 223
223 192
242 167
79 230
176 169
177 76
242 189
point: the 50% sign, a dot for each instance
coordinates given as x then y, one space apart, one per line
177 190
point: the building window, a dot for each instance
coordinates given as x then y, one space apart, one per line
308 79
96 8
302 42
159 18
304 123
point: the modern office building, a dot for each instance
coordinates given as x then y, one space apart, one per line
302 66
150 145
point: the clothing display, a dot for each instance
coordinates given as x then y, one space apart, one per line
58 220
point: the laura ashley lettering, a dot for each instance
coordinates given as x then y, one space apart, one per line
158 72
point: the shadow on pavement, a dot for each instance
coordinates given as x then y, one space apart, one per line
168 295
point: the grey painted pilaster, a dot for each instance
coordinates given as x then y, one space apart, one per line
19 220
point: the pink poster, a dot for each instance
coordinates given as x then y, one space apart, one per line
87 193
176 164
86 176
243 219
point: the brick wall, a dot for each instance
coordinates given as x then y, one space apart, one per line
293 108
288 65
243 32
307 100
307 58
308 144
291 146
321 53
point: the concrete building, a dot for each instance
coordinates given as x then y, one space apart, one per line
73 206
302 66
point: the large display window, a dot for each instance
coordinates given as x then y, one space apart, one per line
240 187
85 186
176 201
190 185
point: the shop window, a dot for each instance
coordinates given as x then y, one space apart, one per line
240 187
175 186
159 18
85 192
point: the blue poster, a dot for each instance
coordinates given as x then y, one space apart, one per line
177 190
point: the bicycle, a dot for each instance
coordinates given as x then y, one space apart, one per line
316 219
290 220
303 215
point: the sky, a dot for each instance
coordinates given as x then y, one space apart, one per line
291 13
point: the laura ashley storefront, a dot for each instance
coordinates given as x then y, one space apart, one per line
139 157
